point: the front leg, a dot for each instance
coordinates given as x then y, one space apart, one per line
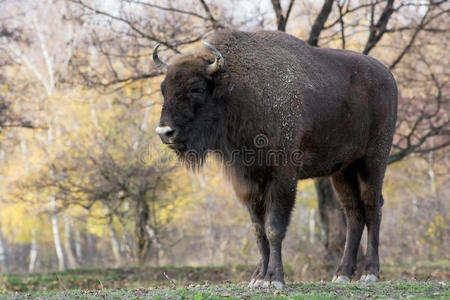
263 247
251 195
280 199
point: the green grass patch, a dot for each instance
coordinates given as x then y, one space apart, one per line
319 290
222 282
132 277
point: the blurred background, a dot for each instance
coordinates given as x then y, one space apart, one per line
85 181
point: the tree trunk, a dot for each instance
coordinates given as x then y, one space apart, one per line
34 245
332 219
56 234
71 260
115 246
78 251
91 249
155 241
3 266
312 225
54 217
34 250
143 240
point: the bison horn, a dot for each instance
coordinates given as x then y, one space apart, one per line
218 62
162 65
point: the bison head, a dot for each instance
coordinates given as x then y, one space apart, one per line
193 115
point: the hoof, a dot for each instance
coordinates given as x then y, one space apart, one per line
258 283
278 285
255 283
251 283
341 278
370 278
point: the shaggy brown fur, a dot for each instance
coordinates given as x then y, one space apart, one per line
323 112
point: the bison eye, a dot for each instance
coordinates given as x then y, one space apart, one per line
197 91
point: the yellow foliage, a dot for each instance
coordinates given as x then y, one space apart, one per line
435 226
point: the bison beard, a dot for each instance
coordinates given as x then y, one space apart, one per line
261 93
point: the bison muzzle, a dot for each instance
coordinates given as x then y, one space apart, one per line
250 97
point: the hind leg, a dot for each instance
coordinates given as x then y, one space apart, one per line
370 178
345 184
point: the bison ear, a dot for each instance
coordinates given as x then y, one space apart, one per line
222 82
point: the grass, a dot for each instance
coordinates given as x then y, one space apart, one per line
200 283
320 290
132 277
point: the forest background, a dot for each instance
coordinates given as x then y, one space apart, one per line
86 182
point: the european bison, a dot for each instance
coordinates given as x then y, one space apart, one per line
275 110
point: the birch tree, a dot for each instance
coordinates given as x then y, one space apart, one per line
47 65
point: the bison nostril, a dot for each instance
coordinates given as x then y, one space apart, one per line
166 132
170 133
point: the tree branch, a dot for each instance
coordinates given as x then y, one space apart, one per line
170 9
419 28
341 21
128 23
281 18
319 23
214 22
377 30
